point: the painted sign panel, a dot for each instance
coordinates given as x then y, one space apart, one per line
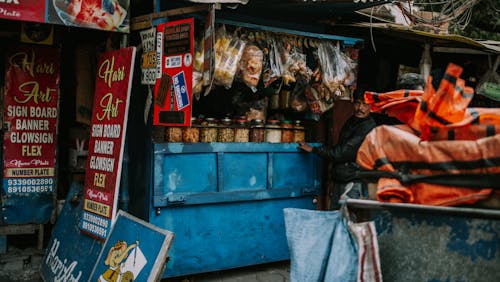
109 15
23 10
106 142
30 117
134 251
98 14
173 90
148 60
70 254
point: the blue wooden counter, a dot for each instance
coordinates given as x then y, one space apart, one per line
225 201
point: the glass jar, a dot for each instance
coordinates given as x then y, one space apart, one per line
173 134
226 131
299 133
241 131
286 131
274 102
208 130
273 131
257 131
158 134
285 99
191 134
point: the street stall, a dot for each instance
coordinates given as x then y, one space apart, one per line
212 152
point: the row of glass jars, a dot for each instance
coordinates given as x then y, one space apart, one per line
209 130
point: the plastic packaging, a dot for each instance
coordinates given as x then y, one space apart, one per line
299 133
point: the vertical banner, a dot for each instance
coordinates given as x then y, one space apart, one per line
30 120
106 142
173 91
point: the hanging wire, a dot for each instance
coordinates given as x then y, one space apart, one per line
456 12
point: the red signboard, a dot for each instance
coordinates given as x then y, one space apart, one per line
107 137
30 113
173 91
23 10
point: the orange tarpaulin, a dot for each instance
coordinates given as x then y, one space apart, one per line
423 146
396 148
441 114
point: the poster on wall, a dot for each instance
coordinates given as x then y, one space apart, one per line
30 117
109 15
134 251
173 90
106 142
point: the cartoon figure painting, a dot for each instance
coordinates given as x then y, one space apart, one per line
122 259
122 266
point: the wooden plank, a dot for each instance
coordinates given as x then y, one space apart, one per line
18 229
145 21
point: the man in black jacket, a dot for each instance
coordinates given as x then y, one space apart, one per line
343 155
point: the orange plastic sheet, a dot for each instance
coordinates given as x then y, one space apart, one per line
397 148
439 114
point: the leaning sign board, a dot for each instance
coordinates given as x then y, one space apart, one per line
70 254
106 142
134 251
109 15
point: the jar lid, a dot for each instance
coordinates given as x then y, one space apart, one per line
273 121
242 121
210 119
286 121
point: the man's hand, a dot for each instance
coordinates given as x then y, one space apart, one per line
305 147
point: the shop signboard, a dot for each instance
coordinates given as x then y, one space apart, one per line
70 254
134 251
106 142
109 15
173 90
30 117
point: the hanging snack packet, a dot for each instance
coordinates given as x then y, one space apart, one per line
228 51
250 66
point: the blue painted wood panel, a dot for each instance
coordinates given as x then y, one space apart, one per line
238 220
416 246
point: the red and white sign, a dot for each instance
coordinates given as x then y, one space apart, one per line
173 90
30 113
23 10
107 138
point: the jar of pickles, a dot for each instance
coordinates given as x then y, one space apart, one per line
191 134
208 130
257 131
299 134
225 132
173 134
273 131
286 131
241 131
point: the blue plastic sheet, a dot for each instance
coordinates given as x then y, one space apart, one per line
321 246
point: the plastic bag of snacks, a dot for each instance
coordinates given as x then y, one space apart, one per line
228 51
